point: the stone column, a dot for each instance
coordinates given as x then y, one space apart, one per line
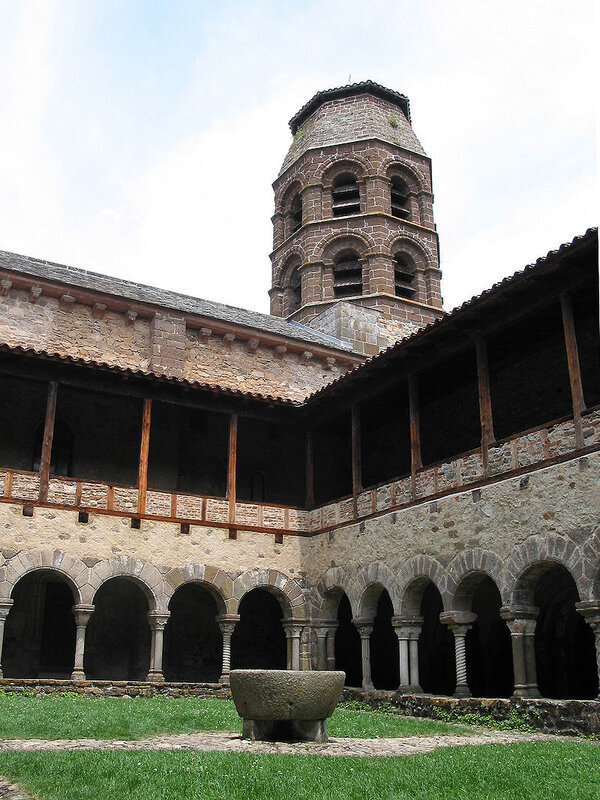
325 631
459 623
227 623
292 631
365 629
5 606
82 614
521 621
408 630
158 620
378 196
590 611
333 626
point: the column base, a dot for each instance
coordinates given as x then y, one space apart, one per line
526 691
462 690
224 679
155 676
368 687
78 675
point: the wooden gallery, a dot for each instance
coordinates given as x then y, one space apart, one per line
358 480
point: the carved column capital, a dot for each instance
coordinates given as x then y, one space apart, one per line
82 614
158 619
5 606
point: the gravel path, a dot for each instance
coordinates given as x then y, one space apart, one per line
233 743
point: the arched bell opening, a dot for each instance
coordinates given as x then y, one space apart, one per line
564 642
258 641
118 633
39 634
193 646
347 644
488 645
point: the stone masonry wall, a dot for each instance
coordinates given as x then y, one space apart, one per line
252 367
73 329
558 506
162 344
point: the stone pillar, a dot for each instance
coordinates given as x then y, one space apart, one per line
590 611
278 220
378 196
365 629
331 645
408 630
227 624
311 277
82 614
292 631
378 274
325 630
5 606
459 623
276 295
312 203
158 620
521 621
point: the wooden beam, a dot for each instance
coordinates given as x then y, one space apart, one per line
485 399
415 434
142 481
46 454
356 463
231 468
577 397
310 473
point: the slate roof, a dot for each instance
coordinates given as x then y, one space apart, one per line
141 293
333 118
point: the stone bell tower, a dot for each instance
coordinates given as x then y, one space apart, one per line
355 250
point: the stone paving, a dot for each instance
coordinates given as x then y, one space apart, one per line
233 743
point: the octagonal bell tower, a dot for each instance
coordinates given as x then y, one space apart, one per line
355 250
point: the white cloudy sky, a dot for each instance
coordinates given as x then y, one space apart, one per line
140 137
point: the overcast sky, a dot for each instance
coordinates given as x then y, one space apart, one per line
140 138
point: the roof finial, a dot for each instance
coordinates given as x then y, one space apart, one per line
349 78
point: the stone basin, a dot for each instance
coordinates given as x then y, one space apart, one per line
283 705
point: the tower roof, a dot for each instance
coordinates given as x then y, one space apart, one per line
352 113
349 90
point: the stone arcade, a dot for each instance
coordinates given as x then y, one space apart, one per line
358 481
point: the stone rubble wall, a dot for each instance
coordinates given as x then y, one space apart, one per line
564 717
161 343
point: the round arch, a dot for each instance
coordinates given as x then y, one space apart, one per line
72 570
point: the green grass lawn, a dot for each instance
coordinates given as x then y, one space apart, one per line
528 771
76 717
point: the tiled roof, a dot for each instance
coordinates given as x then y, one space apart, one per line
496 290
161 297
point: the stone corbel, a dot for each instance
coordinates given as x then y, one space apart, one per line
228 340
306 356
98 310
329 363
252 344
66 302
279 351
130 316
35 292
5 287
205 334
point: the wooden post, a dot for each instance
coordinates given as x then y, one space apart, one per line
485 399
144 450
415 435
310 475
356 465
574 368
231 468
47 441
